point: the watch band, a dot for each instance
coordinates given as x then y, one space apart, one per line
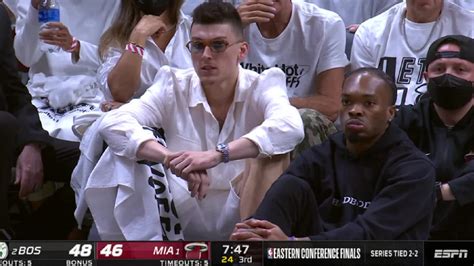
224 149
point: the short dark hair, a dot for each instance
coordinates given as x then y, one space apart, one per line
379 74
218 12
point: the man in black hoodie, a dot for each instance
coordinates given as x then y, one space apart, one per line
368 182
442 126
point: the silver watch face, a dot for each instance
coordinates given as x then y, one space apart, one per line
221 147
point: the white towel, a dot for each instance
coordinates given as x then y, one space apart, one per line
91 149
122 195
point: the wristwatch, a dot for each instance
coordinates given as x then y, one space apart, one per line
224 149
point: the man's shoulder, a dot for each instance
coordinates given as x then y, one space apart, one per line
457 9
270 73
378 24
405 152
311 12
257 84
455 14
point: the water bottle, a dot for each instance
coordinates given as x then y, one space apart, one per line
48 11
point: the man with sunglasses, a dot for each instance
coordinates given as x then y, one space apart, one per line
213 116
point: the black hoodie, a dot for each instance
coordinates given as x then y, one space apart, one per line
447 148
385 193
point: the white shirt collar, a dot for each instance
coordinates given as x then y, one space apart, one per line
197 96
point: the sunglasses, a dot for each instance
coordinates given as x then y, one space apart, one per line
216 46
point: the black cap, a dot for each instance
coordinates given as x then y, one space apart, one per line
465 43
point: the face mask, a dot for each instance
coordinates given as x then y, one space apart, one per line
450 92
153 7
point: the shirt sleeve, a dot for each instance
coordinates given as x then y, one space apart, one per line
463 185
122 128
88 55
333 50
27 41
282 128
111 59
362 52
409 189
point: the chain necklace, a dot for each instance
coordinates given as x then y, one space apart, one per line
403 30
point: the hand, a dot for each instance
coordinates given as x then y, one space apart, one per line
447 193
256 11
29 169
244 232
198 180
57 34
35 3
147 26
110 105
186 162
198 184
352 28
258 229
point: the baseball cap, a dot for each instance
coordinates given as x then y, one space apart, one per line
465 43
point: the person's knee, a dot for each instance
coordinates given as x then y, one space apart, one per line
291 185
317 128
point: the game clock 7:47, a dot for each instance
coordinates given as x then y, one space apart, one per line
236 253
237 249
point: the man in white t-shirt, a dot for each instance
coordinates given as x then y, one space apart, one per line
306 42
397 41
354 12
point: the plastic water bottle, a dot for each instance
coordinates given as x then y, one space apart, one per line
48 11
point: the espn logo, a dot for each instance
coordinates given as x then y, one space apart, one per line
450 253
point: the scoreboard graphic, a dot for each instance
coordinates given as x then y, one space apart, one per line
196 253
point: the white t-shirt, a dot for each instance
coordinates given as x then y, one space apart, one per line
355 11
313 42
468 4
259 112
190 5
380 42
176 55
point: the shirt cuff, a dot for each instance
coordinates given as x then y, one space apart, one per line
135 141
260 138
461 192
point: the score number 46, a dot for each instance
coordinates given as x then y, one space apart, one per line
85 250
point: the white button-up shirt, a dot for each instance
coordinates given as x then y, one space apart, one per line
260 112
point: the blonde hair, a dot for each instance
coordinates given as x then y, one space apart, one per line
129 16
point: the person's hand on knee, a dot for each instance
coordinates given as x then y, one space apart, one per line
29 169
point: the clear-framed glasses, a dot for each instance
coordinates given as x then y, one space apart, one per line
216 46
